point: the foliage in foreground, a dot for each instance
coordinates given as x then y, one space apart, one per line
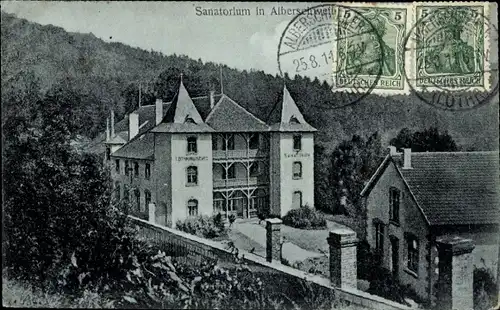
203 226
305 217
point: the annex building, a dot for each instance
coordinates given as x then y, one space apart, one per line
415 199
209 155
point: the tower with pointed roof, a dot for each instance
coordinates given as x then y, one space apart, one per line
183 161
291 157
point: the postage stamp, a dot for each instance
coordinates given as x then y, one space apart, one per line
357 65
451 41
308 47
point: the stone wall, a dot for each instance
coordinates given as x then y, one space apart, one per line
194 250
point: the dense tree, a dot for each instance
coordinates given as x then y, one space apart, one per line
427 140
352 164
57 205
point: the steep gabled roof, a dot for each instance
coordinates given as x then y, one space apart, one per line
286 116
228 116
182 115
141 147
452 188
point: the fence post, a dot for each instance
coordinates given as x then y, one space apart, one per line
152 212
343 265
273 236
455 281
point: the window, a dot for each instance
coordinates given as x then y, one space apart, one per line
126 167
117 166
147 199
189 120
228 143
231 172
192 175
394 195
412 246
137 194
193 207
147 171
379 236
191 145
294 120
297 200
254 169
297 170
136 169
214 142
108 153
297 143
219 203
254 142
117 191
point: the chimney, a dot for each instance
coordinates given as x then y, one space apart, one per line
392 150
406 158
133 125
159 111
212 99
112 123
107 129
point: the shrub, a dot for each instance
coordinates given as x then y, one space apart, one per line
384 284
203 226
305 218
485 289
365 260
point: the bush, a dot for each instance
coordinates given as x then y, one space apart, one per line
305 218
203 226
485 289
384 284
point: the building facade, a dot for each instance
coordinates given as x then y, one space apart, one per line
415 199
209 155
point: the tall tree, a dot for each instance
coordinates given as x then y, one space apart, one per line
352 164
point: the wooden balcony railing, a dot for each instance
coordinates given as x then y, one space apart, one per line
239 182
230 154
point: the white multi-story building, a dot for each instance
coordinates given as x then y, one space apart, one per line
207 155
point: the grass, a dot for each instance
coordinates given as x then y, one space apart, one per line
20 294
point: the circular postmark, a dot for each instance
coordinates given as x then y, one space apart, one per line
334 44
452 55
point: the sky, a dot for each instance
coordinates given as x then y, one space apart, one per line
243 42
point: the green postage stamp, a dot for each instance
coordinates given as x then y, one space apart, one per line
373 62
451 46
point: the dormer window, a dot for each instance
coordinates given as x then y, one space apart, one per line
189 120
294 120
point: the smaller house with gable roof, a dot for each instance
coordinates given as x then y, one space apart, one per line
413 199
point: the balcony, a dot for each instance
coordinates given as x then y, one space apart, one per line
253 181
238 154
